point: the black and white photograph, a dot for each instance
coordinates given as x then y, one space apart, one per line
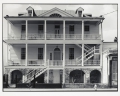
59 47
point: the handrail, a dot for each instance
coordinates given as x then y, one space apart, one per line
92 36
73 36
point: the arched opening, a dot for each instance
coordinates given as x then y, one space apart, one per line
14 74
57 54
95 76
55 15
76 76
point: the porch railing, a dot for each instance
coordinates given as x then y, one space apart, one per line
54 36
92 63
55 62
34 36
37 36
92 36
73 36
35 62
16 62
72 62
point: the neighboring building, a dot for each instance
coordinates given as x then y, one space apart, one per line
110 55
57 46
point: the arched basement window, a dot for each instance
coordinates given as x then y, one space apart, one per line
55 15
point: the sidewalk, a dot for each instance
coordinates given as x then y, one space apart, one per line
57 90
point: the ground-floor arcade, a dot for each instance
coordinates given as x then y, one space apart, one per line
66 76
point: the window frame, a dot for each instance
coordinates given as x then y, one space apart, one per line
71 54
23 53
40 54
85 28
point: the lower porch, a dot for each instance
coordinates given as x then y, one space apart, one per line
64 78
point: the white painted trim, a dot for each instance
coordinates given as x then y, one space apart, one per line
82 30
26 55
57 9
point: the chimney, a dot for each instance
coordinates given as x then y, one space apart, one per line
79 11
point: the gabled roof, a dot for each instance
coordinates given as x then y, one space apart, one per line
79 9
29 8
56 9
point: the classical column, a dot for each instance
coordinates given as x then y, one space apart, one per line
82 54
45 54
47 75
26 55
101 56
63 63
82 30
45 29
101 31
63 29
26 29
7 29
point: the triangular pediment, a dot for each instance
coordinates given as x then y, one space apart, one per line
56 11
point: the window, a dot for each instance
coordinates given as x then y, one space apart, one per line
57 26
86 28
40 27
55 15
23 52
71 28
71 53
40 53
23 28
50 56
30 12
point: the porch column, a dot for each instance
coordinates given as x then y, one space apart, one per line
101 56
101 62
82 54
26 29
82 30
63 29
63 63
7 29
101 31
45 29
26 55
45 54
47 75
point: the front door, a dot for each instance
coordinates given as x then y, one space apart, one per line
57 56
57 31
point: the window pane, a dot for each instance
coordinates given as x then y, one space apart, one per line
40 27
23 28
86 27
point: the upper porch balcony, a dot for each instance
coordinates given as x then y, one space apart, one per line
53 55
54 30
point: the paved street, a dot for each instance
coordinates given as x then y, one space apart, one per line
58 90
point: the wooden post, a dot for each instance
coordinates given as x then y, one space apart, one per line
45 28
82 30
45 54
63 63
26 29
26 54
82 54
63 29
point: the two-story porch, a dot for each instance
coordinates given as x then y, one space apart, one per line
53 30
